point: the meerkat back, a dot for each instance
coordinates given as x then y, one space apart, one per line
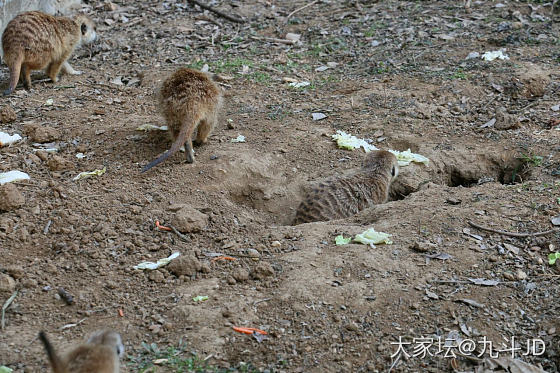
345 196
100 354
36 40
189 100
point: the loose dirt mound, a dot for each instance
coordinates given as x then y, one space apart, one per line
394 72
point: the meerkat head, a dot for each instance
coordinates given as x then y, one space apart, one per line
87 29
382 160
108 338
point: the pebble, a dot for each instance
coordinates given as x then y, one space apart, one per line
185 265
58 163
262 270
520 275
253 253
240 275
190 220
10 198
7 283
509 276
7 114
156 276
41 134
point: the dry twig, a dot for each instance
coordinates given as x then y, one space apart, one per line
302 8
218 12
511 234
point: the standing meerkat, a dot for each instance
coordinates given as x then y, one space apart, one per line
345 196
189 100
37 41
100 354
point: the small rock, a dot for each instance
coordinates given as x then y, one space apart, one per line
33 158
41 134
190 220
156 276
318 116
58 163
7 114
275 244
7 283
423 246
185 265
240 275
505 121
262 270
231 281
42 155
509 276
16 272
520 275
10 198
352 327
253 253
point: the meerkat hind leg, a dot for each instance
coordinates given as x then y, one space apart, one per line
189 152
204 128
53 70
26 76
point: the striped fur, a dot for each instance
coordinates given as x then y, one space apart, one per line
345 196
37 41
189 100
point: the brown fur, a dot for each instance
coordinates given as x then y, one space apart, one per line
189 100
345 196
100 354
37 41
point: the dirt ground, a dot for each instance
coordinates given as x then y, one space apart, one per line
395 72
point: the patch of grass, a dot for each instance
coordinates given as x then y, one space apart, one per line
534 160
260 77
276 112
176 359
371 31
459 74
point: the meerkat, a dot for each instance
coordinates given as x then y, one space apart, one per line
189 100
345 196
99 354
37 41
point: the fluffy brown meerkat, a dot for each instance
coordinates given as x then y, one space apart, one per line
37 41
189 100
346 196
99 354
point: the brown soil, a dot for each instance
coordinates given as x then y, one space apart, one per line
402 79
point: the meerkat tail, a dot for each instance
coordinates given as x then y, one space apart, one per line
53 357
179 141
15 69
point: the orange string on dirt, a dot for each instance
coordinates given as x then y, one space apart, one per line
161 227
244 330
223 258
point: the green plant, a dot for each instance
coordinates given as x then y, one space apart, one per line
552 258
176 359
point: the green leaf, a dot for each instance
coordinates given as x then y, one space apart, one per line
200 298
552 258
340 240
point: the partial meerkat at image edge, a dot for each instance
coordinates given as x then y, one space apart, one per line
38 41
189 100
99 354
345 196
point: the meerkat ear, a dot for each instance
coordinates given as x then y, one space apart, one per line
84 28
393 171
